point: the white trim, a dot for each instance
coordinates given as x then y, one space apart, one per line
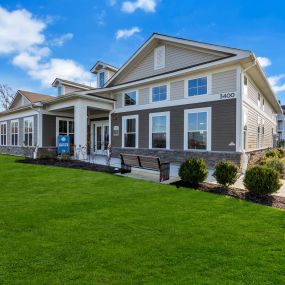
130 91
167 84
208 110
124 118
239 110
209 81
172 103
33 130
11 123
57 126
6 134
151 116
40 129
17 115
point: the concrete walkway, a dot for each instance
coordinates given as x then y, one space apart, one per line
154 175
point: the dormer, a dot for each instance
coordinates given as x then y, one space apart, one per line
104 72
63 86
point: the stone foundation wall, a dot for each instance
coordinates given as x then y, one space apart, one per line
27 151
179 156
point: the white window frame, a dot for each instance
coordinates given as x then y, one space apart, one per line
167 84
159 114
130 91
156 51
258 100
57 126
11 124
124 118
33 132
263 104
4 135
209 81
245 132
245 87
208 110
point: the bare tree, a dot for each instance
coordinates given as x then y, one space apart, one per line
6 96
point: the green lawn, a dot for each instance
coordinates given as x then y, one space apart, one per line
65 226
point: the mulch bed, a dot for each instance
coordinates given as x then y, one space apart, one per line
72 164
273 201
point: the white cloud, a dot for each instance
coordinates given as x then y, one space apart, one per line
277 86
264 61
62 39
22 36
101 18
145 5
124 33
19 31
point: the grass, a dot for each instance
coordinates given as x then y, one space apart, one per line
66 226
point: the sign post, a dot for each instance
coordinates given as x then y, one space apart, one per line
63 145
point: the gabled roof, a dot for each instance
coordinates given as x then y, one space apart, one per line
71 83
35 97
100 64
156 38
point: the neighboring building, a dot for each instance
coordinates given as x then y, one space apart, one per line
173 98
281 124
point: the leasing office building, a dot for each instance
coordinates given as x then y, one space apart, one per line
173 98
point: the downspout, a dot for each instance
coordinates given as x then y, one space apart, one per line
244 155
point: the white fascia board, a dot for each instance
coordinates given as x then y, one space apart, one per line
20 114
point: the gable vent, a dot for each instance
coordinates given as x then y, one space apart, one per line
159 57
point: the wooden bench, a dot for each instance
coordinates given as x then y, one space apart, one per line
146 162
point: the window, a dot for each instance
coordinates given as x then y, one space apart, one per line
59 90
3 134
130 98
259 99
65 127
262 133
258 133
263 104
130 131
15 133
159 57
159 130
197 129
159 93
28 131
101 79
198 86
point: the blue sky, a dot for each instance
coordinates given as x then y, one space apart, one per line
40 40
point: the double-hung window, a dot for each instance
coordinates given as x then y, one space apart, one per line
197 129
15 133
130 98
198 86
130 131
101 79
28 131
159 133
3 133
159 93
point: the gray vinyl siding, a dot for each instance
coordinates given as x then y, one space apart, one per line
21 130
177 90
49 130
225 81
143 96
119 100
223 125
252 132
176 57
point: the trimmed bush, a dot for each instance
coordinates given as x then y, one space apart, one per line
273 153
276 164
226 173
262 180
193 171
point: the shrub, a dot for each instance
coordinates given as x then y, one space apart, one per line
262 180
273 153
193 171
226 173
281 152
276 164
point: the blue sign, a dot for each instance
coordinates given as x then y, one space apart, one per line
63 144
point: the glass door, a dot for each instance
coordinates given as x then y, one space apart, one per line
100 137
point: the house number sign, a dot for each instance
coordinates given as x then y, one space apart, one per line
227 95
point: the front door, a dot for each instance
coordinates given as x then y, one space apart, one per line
100 137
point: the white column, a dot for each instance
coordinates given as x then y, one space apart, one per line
80 130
